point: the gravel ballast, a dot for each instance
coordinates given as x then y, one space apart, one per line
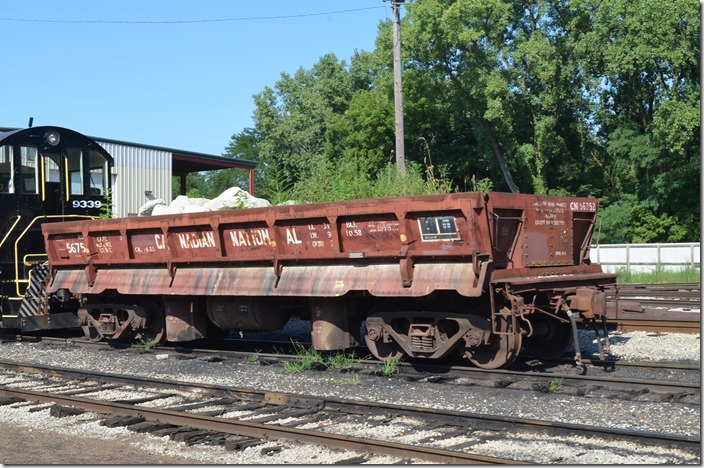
676 418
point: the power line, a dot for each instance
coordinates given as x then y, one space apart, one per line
216 20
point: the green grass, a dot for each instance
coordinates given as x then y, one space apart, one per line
388 368
660 275
555 385
252 358
340 361
307 358
352 380
143 345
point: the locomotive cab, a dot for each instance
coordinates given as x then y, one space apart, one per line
47 174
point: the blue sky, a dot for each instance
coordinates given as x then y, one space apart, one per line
186 85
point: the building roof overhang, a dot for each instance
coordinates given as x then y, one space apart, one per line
183 162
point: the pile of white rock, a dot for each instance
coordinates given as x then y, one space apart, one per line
232 198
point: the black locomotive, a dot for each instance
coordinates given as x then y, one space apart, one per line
47 174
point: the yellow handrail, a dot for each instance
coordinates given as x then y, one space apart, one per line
42 177
17 263
4 239
68 186
26 261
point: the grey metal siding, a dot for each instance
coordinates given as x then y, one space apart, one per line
136 171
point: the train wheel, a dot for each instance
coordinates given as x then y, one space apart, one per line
155 331
502 349
90 325
384 351
550 339
92 334
380 350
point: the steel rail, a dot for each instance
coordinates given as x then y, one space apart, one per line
643 324
660 286
244 428
454 371
655 307
663 386
617 362
649 365
282 397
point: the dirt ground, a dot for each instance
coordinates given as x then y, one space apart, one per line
21 446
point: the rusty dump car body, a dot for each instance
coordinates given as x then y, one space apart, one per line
478 274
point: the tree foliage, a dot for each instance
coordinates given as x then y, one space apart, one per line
571 97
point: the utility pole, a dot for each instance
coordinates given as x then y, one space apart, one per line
398 95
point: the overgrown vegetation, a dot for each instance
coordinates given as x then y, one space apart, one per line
252 358
660 275
107 209
579 98
340 361
143 345
389 367
554 386
309 358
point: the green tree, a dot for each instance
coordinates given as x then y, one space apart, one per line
647 109
569 97
293 119
508 80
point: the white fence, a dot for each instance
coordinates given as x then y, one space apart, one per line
638 258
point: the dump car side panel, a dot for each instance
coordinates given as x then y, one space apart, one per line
407 246
397 247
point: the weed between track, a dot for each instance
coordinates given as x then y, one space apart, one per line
310 358
554 386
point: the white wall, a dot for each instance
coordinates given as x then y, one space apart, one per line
639 258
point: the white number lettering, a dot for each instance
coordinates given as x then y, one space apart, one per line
86 203
75 247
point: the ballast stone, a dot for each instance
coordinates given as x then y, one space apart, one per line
232 198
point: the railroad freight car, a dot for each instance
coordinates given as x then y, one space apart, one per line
47 174
482 275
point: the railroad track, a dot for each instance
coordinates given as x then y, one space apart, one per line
200 413
669 307
593 377
658 377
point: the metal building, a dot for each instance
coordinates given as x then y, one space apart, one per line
143 171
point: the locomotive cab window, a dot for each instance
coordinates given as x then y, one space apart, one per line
52 171
75 171
28 170
98 173
6 170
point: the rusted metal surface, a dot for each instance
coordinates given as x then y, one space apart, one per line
432 275
394 247
330 329
245 313
185 319
655 307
